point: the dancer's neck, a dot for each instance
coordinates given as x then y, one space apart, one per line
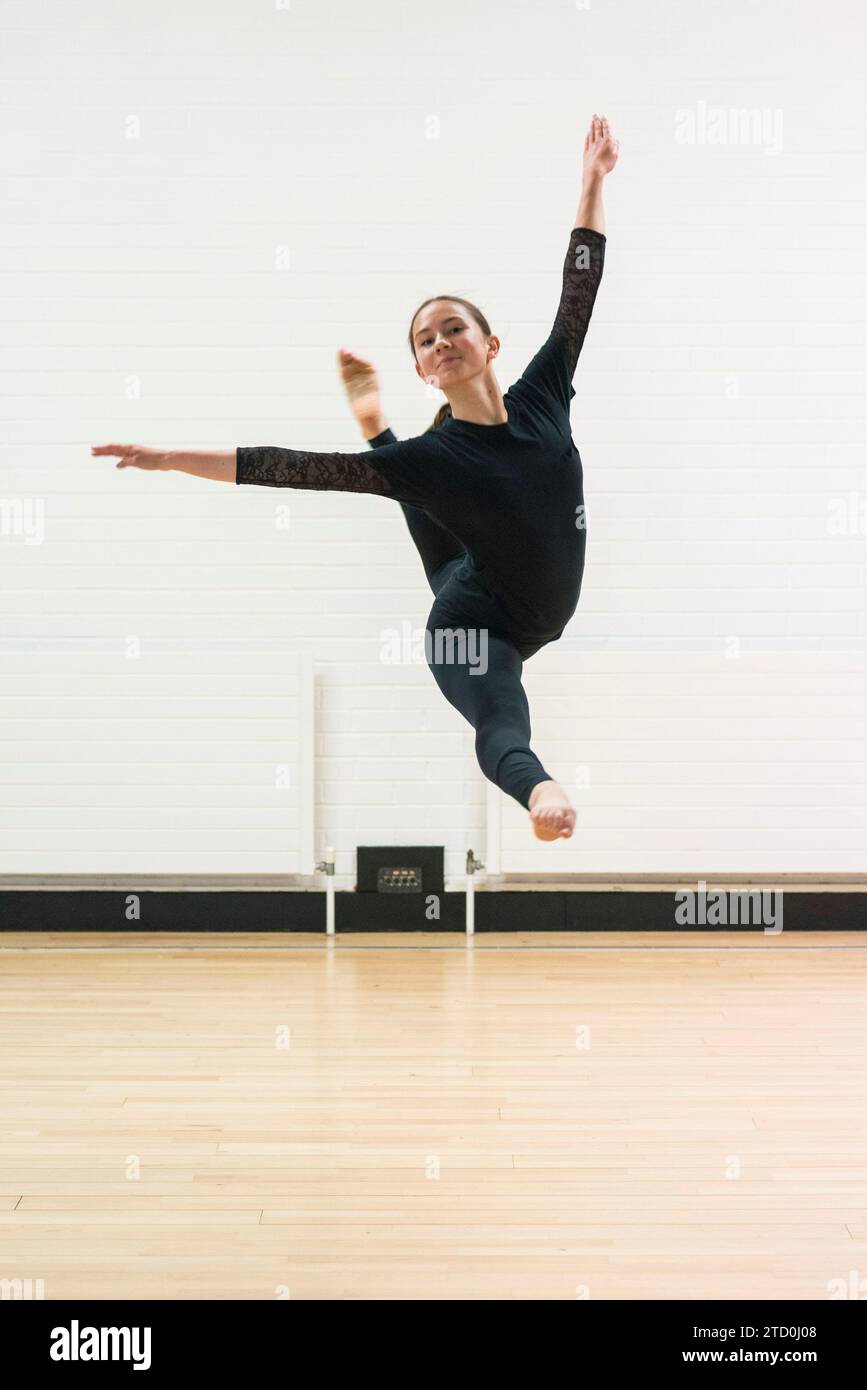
478 402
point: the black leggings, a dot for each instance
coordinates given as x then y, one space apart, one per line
476 666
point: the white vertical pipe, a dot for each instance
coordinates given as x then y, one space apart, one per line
329 891
493 827
307 735
473 864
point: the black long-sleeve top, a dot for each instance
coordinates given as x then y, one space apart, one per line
512 493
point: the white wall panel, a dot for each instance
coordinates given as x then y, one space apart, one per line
155 759
200 203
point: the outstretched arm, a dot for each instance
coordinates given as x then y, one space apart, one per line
405 470
553 367
585 259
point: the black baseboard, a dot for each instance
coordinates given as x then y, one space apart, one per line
227 910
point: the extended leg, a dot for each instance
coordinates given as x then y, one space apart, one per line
481 677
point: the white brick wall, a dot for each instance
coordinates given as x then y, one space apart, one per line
155 758
201 203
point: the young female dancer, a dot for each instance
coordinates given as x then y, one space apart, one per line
492 494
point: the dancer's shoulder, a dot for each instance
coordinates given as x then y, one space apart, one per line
546 382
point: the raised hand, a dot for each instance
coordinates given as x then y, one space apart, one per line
600 149
132 455
362 388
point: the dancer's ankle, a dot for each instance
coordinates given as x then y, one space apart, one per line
536 790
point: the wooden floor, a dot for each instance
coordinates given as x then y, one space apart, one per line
530 1116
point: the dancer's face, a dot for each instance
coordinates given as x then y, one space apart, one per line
449 344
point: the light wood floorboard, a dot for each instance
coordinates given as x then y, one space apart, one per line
543 1116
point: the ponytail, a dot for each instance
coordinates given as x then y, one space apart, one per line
444 413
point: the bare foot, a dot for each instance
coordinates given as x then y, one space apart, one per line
551 812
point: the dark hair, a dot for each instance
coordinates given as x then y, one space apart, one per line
445 410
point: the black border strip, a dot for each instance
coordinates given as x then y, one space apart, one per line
140 912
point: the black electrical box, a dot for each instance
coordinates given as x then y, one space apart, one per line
400 868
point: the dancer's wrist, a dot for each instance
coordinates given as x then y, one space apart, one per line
592 180
371 428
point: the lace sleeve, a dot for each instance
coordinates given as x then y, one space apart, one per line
553 366
582 273
401 469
